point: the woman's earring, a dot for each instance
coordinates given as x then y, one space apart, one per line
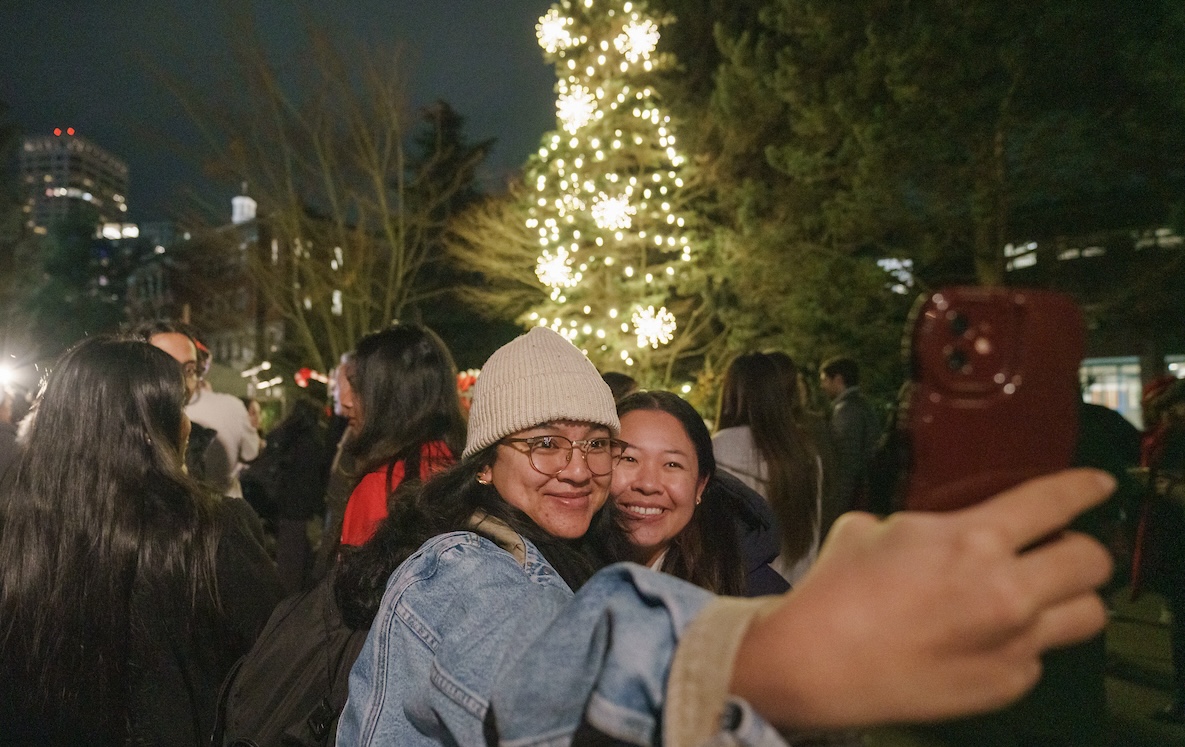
481 481
699 501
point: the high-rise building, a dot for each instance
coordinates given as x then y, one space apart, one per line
63 172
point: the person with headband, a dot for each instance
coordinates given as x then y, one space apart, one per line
496 625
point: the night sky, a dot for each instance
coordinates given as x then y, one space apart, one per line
81 63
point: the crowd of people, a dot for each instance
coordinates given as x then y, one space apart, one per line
573 559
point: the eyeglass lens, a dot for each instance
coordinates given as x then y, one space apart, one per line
551 454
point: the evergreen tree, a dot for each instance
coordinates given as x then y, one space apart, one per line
836 135
943 131
73 284
606 193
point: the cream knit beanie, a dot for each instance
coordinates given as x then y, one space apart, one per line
537 378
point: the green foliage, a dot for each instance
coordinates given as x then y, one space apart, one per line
72 284
835 134
942 131
827 136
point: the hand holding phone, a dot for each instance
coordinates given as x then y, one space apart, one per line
994 394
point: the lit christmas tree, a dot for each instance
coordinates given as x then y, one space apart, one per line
606 186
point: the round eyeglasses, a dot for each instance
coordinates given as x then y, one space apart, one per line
550 455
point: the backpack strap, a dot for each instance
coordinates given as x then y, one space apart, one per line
319 727
218 736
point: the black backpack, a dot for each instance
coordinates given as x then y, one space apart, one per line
291 686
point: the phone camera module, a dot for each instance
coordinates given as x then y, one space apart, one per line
956 360
959 324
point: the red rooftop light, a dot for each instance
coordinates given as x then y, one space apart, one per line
57 131
69 130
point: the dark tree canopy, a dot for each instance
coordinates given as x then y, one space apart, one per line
836 134
943 130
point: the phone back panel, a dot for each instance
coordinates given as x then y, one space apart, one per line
994 394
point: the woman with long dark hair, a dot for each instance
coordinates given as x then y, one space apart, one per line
682 516
406 417
126 590
496 626
758 440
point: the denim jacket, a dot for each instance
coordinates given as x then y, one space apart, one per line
474 633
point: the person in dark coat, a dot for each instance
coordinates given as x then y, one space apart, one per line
1160 555
855 430
292 472
129 590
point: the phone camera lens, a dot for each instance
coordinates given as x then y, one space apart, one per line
959 324
956 360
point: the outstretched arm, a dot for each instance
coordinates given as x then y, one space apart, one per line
928 616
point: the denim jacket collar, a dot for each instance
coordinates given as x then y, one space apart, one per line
500 533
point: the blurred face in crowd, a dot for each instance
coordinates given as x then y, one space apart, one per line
832 386
656 483
346 405
183 351
562 503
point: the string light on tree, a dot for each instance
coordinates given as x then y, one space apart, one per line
555 270
608 204
553 32
576 108
638 40
653 327
612 213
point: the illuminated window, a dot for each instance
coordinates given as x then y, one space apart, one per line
1113 383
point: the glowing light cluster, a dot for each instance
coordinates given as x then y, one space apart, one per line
653 327
572 204
576 108
638 40
555 270
612 213
606 204
553 31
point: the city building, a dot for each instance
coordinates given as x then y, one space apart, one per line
205 279
1130 286
63 172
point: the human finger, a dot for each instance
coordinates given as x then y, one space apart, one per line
1063 568
1037 508
1072 621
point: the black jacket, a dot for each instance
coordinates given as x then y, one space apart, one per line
178 667
757 531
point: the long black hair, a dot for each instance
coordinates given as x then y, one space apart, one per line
706 552
405 383
445 504
754 395
100 507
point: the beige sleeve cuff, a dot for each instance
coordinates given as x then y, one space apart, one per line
701 671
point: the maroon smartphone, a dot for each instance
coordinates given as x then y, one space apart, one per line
994 395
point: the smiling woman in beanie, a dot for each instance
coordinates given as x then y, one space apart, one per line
494 618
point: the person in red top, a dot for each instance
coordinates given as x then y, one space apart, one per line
407 418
